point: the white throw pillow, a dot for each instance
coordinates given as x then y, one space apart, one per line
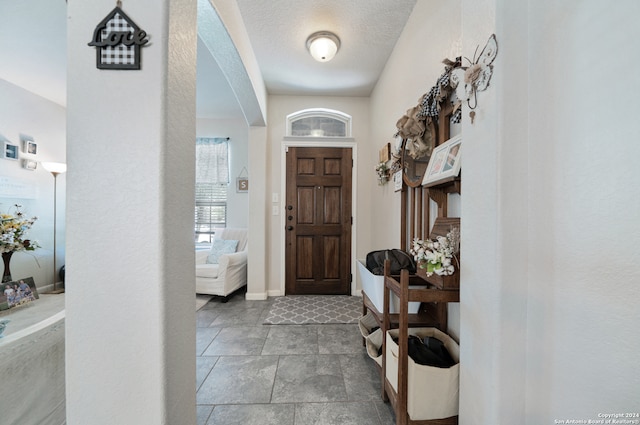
220 247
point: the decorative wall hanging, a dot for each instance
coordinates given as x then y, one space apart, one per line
382 172
242 181
430 105
397 181
242 184
476 76
395 162
418 128
29 146
385 153
118 41
29 164
10 151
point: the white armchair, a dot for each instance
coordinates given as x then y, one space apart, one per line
230 273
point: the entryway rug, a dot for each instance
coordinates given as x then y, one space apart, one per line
314 309
202 300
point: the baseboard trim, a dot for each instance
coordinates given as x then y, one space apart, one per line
255 296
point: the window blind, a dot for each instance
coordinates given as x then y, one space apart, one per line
212 181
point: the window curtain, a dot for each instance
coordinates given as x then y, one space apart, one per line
212 160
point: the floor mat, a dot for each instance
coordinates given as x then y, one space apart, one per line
314 309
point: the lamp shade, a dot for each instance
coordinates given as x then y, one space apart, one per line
323 45
55 167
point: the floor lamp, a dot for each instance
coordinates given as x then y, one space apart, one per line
55 168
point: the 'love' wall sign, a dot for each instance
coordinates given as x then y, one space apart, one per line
118 41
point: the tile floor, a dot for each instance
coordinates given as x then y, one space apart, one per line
250 373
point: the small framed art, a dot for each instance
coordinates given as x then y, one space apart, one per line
29 146
29 164
397 181
242 184
10 151
444 164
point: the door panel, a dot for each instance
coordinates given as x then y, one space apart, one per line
318 232
332 205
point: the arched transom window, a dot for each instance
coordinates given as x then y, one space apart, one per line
319 122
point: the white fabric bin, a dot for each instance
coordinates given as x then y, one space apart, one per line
432 392
366 323
373 343
373 286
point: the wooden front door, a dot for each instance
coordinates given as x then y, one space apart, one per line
318 221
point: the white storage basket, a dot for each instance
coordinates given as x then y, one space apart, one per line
432 392
373 286
373 344
366 323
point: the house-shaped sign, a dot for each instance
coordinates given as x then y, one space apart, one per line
118 41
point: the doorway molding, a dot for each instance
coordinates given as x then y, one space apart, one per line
318 142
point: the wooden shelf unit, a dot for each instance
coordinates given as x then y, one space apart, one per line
428 316
415 223
430 295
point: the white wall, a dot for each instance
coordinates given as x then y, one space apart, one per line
279 108
432 34
547 312
583 313
238 133
23 113
130 327
549 306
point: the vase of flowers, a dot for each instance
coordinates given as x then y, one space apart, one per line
438 256
13 231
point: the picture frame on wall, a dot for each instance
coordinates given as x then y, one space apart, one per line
29 164
10 151
397 181
29 146
444 164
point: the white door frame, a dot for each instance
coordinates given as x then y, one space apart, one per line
318 142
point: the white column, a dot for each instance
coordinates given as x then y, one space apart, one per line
256 266
494 285
130 325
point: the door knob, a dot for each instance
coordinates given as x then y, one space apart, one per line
290 218
289 207
289 228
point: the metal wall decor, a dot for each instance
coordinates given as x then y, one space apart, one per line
467 81
118 41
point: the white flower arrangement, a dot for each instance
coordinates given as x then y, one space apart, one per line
436 256
382 171
13 229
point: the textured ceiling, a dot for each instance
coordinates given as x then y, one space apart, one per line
368 31
33 48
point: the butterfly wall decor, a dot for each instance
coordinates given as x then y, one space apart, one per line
467 81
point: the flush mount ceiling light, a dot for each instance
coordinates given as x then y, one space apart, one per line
323 45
